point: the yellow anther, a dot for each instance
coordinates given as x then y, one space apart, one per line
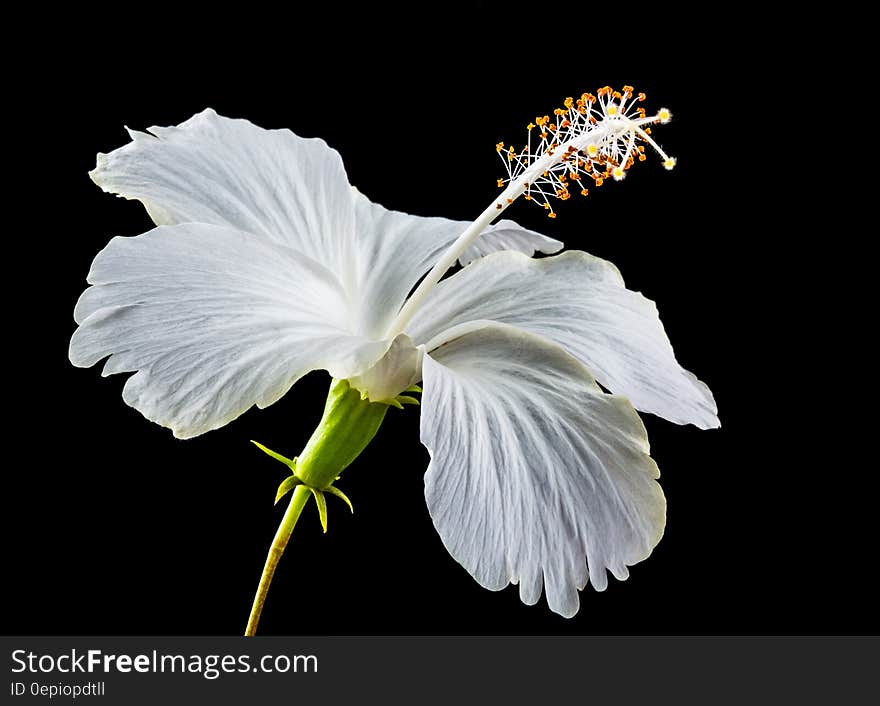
599 145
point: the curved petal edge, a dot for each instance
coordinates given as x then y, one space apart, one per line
536 477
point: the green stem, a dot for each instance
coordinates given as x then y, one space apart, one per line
348 424
297 502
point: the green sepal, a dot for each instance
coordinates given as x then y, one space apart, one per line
393 403
413 388
333 490
290 463
322 507
406 399
286 486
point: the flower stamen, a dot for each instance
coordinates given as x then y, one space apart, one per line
596 136
593 136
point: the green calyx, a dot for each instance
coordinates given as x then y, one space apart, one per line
347 426
401 400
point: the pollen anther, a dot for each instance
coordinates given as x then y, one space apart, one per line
597 136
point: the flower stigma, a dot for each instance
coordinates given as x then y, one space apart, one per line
590 138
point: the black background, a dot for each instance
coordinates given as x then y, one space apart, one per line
115 527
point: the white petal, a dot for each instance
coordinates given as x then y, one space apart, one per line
213 320
507 235
533 468
394 372
580 302
217 170
396 249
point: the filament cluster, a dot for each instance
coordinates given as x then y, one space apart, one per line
587 141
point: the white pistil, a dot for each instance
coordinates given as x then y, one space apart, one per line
588 134
647 138
512 192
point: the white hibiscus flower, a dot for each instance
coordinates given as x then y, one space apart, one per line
265 264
